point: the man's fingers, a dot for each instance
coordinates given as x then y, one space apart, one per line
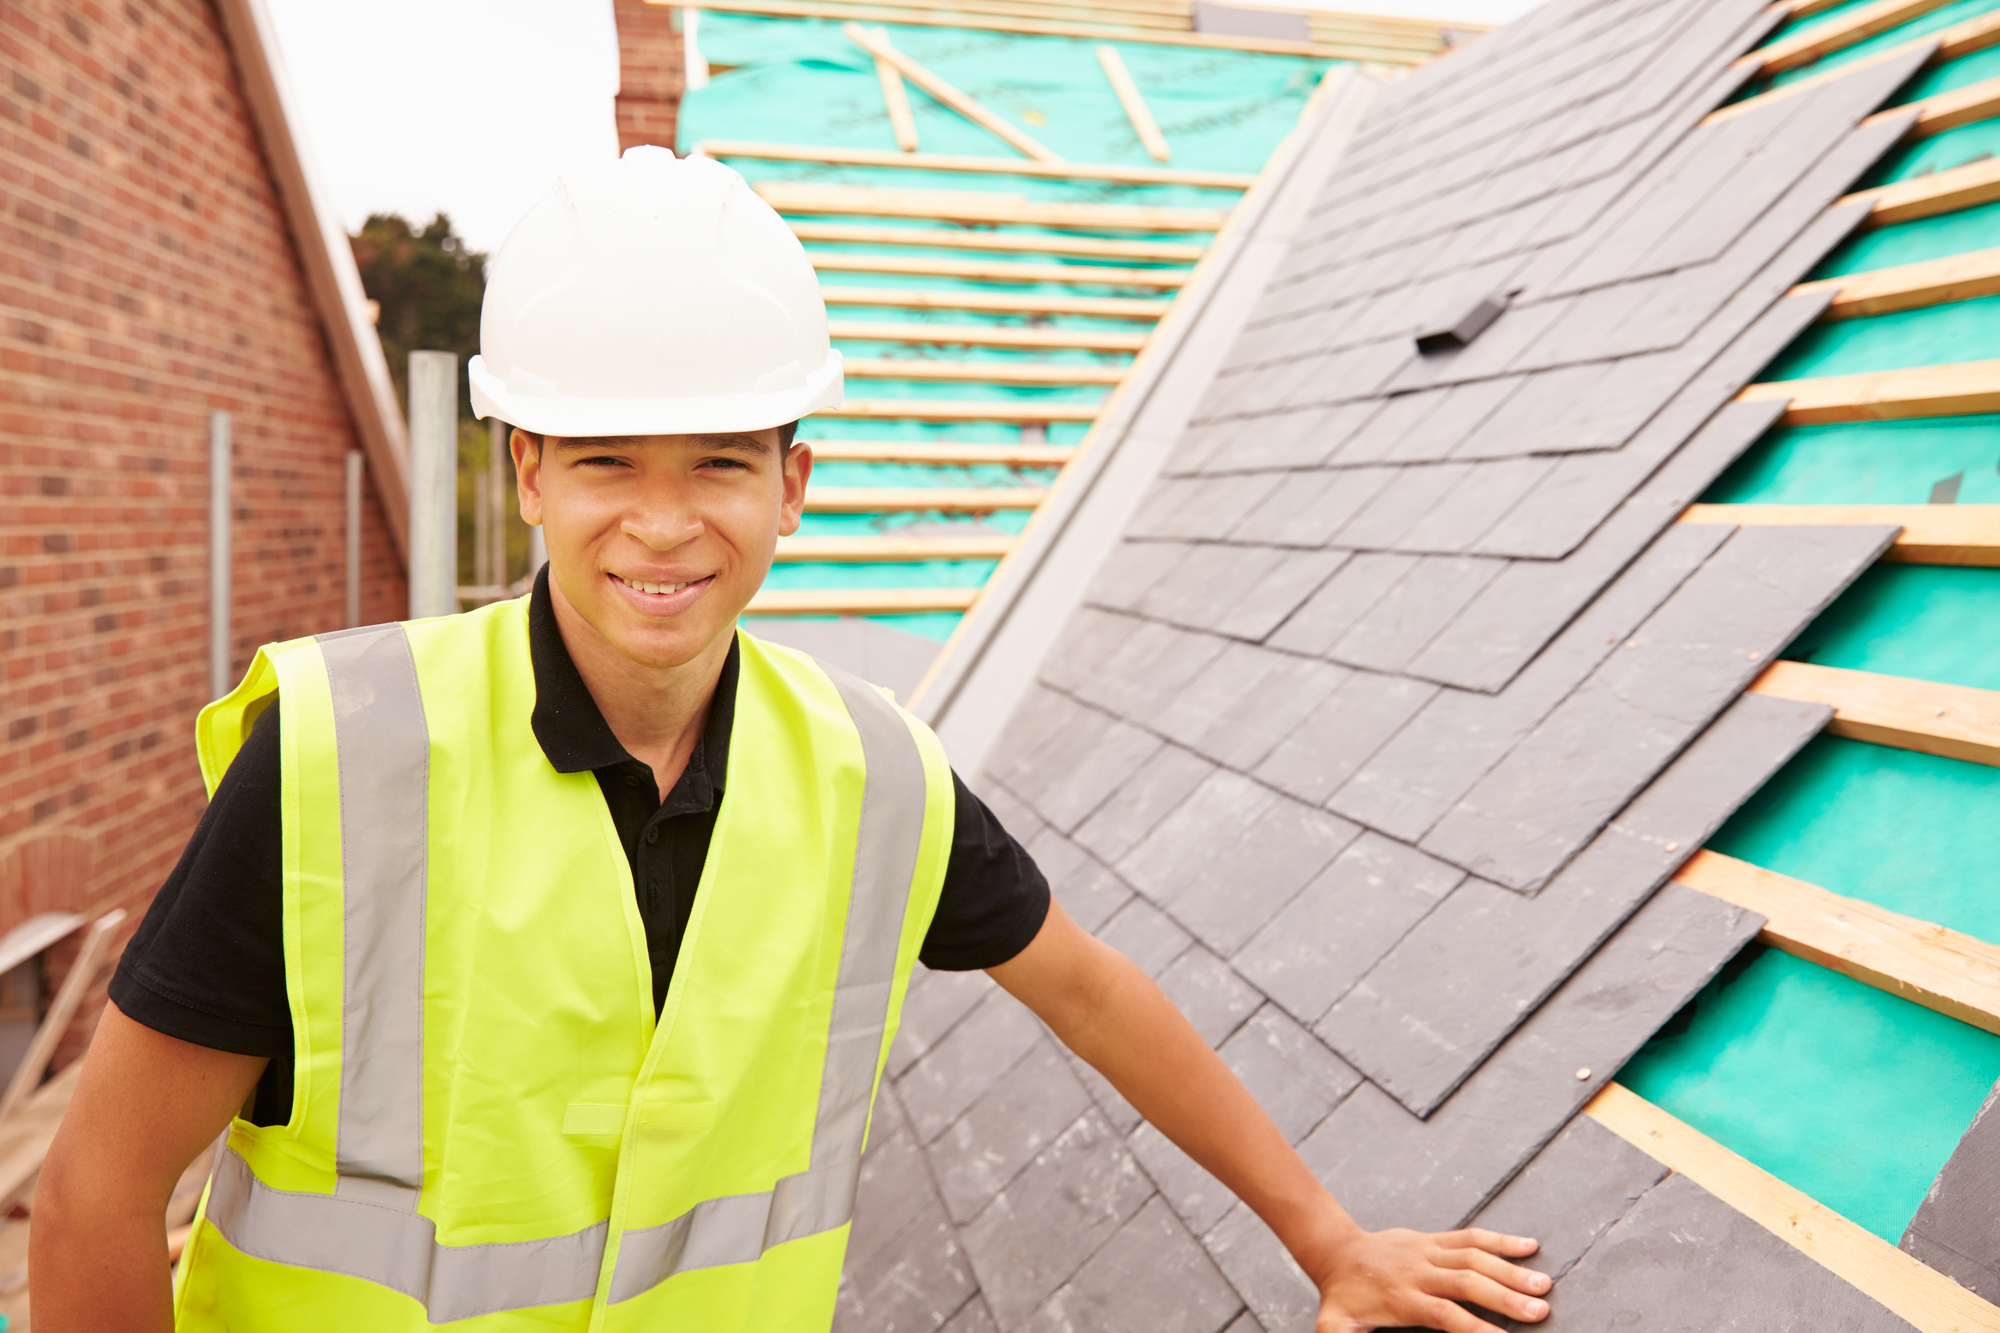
1506 1274
1493 1242
1455 1319
1466 1285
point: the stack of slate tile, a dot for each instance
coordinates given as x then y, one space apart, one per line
1384 726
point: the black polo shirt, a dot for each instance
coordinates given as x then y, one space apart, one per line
207 963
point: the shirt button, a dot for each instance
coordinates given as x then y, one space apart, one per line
631 779
653 834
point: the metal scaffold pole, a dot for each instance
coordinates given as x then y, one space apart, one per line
221 465
433 484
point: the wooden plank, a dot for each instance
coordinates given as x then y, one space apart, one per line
858 601
1961 106
1955 721
1963 187
984 209
896 101
921 499
1013 410
1855 26
942 453
996 303
83 972
878 13
984 335
892 549
1009 242
1932 534
1929 1300
973 270
966 163
1886 395
978 372
1882 291
1961 39
1136 111
1916 960
877 44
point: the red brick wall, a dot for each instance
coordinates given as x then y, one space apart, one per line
652 72
147 277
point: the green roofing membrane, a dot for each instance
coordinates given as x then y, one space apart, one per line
1841 1090
1852 1094
1868 462
1935 21
802 82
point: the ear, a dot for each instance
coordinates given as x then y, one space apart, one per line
798 470
528 474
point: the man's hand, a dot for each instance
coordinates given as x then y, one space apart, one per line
1109 1012
1399 1279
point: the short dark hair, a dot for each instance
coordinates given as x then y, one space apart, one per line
785 435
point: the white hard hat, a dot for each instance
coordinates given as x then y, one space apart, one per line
653 295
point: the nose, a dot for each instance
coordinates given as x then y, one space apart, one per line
663 524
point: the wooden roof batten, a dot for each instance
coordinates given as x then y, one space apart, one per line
1384 45
971 164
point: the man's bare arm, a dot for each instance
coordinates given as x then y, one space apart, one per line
1110 1013
146 1104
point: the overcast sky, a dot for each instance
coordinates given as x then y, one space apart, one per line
476 105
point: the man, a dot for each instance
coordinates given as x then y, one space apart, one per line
540 962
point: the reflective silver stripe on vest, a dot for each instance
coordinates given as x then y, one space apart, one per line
740 1228
369 1228
383 744
398 1249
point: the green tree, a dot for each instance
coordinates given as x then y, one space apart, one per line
427 286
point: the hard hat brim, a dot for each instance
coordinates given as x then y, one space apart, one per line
719 414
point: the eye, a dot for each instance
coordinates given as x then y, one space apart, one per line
601 461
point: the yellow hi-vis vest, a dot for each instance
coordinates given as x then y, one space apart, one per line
487 1123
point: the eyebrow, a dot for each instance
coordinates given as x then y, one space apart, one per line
731 442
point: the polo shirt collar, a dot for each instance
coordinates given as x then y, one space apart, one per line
571 727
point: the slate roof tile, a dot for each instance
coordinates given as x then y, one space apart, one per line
1293 1076
1425 1016
1250 728
965 1062
1571 1193
1089 890
1343 494
905 1272
1342 923
1682 1249
1135 808
1476 504
1133 570
1528 815
1362 713
1419 606
1081 765
1052 1217
1247 877
1342 600
1146 935
1956 1229
1018 1117
1280 1296
1390 1168
933 1006
1148 669
1411 494
972 1317
1422 771
1150 1277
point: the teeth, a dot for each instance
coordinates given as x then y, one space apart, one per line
656 588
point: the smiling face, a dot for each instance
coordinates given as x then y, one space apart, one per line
658 542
